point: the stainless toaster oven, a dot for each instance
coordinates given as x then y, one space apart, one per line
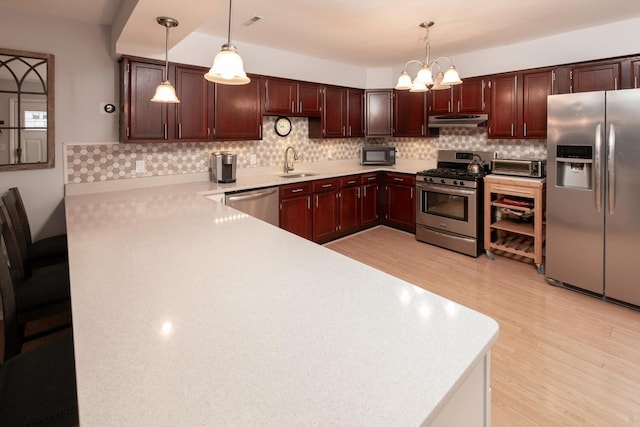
520 167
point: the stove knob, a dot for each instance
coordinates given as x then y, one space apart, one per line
461 182
442 181
455 182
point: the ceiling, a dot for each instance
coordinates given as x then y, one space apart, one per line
367 33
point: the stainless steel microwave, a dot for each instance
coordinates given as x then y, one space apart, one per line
377 155
520 167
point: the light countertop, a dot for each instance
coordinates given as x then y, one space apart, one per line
187 312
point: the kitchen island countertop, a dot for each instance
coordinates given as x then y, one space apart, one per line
187 312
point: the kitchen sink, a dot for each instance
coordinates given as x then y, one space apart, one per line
297 175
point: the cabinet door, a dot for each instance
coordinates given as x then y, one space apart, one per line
349 199
144 121
238 115
325 216
296 217
504 98
378 112
355 112
192 113
335 112
441 101
536 87
410 114
280 96
309 99
401 206
595 77
369 204
469 97
635 74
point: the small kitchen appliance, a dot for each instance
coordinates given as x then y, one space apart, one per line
222 167
372 154
449 209
530 168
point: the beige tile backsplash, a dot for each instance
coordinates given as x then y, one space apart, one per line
106 162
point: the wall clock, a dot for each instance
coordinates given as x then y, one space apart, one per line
283 126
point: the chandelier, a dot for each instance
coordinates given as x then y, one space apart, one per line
424 79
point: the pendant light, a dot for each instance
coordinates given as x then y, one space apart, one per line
165 92
227 66
425 77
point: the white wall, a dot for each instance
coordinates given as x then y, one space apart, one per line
85 76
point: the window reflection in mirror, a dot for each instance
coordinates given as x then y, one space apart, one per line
26 110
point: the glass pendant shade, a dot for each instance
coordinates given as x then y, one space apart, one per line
165 93
451 76
404 81
227 67
438 84
418 87
424 76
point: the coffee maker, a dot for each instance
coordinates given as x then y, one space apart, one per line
222 167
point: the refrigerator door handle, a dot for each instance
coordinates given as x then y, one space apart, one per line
597 166
611 171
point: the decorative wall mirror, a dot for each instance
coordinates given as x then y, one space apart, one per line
26 110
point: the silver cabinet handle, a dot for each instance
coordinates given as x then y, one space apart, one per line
165 130
351 182
308 202
511 129
300 107
358 192
293 106
524 129
398 179
327 185
364 190
411 193
316 201
611 169
233 198
597 165
458 106
296 190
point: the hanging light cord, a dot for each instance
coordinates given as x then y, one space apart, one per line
166 51
229 27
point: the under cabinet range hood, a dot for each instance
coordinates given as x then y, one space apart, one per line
458 120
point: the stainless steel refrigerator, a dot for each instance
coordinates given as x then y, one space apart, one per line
593 192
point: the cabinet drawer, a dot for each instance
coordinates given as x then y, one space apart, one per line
349 181
400 178
369 178
512 190
325 185
294 190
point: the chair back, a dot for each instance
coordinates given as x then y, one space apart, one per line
18 220
7 295
12 243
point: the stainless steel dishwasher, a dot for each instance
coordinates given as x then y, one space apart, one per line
261 203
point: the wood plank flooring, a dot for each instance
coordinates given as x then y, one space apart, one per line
562 358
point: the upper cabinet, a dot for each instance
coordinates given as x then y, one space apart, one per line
206 111
379 112
604 75
519 104
283 96
635 73
237 114
355 112
466 98
409 113
342 114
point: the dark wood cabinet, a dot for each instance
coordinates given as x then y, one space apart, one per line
333 121
409 113
355 112
369 200
634 78
325 210
349 204
400 201
296 215
595 76
141 119
466 98
238 115
519 105
379 112
289 97
192 121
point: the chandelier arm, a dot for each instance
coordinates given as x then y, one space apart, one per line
435 61
412 62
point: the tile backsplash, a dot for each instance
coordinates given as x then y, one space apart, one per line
113 161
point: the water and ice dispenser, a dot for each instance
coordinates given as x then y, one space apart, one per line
573 166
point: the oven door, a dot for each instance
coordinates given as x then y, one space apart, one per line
447 208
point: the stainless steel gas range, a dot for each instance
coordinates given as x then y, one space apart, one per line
449 210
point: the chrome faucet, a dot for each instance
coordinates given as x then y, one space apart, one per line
288 168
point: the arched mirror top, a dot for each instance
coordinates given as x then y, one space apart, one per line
26 110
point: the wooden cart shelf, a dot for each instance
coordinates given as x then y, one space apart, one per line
514 228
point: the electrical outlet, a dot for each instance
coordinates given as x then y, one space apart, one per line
252 159
140 166
329 154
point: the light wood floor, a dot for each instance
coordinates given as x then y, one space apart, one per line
562 358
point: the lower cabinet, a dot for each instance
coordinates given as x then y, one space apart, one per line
295 209
325 210
400 205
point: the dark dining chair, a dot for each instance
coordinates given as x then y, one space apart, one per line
37 387
32 299
39 253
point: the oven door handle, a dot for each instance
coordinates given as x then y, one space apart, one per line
446 189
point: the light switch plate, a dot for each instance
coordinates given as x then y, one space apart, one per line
140 166
252 159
